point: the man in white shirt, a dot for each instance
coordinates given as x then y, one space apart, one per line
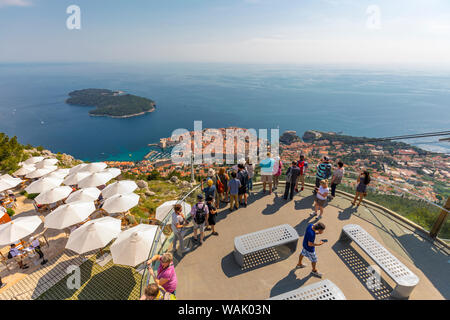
36 245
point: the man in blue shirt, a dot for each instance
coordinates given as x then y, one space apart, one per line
309 250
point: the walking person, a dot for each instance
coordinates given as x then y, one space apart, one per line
199 213
251 172
166 276
267 172
233 190
361 188
338 174
36 245
212 215
277 167
309 245
179 223
302 165
321 198
242 175
323 172
292 174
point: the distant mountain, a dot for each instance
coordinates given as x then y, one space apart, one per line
111 103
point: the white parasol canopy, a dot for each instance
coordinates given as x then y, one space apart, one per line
94 167
53 195
114 172
77 168
46 163
133 245
33 160
69 214
164 209
26 169
119 187
120 203
75 178
87 194
94 234
95 179
43 184
60 173
41 172
17 229
10 180
5 185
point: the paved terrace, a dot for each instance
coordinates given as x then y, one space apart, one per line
210 272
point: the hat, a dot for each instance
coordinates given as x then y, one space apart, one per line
210 182
326 158
200 196
211 172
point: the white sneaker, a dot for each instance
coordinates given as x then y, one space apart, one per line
313 214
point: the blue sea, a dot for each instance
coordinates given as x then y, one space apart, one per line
356 101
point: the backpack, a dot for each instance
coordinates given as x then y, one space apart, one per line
243 177
289 175
200 214
220 186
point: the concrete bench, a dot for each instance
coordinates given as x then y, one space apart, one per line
406 280
249 245
322 290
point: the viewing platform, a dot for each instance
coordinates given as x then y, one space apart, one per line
211 272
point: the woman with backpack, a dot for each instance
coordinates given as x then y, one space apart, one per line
199 213
221 187
361 188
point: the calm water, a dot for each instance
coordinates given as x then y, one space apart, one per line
358 102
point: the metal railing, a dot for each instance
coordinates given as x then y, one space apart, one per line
159 241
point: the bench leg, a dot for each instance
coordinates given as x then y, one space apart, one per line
344 237
402 292
292 246
239 258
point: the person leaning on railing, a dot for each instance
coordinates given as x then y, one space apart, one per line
361 188
166 276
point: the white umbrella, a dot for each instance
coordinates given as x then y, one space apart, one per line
87 194
114 172
41 172
133 245
69 214
119 187
77 168
33 160
120 203
164 209
10 180
17 229
62 173
43 184
94 167
26 169
95 179
53 195
5 185
46 163
75 178
93 235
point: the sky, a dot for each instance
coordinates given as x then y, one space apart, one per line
348 32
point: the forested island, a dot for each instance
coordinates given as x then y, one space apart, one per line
110 103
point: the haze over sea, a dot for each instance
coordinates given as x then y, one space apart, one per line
356 101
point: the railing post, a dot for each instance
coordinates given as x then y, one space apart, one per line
440 220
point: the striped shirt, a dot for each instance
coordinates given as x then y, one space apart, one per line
323 171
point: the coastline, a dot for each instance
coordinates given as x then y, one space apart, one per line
122 117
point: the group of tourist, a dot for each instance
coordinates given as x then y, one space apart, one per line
233 188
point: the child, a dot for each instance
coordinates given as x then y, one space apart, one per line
321 198
212 215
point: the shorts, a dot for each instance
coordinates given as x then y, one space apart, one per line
310 255
266 178
242 190
321 202
199 226
212 219
301 178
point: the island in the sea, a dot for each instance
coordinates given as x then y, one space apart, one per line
110 103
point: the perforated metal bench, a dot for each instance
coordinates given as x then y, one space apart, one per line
322 290
406 280
249 245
